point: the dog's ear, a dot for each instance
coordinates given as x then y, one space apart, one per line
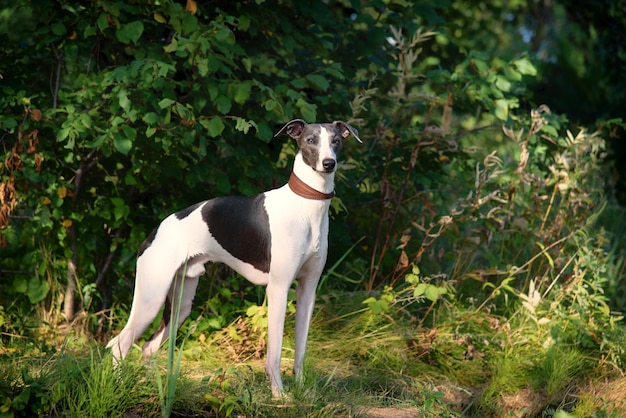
345 130
293 128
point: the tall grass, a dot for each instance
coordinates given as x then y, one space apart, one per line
92 387
359 363
167 389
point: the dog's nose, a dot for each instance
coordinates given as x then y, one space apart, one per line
328 164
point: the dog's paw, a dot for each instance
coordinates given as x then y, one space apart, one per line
282 397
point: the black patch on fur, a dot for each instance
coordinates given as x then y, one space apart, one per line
336 139
308 142
180 215
147 243
241 226
167 315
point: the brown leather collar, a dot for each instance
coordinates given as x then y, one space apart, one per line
302 189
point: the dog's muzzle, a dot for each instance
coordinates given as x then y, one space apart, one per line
329 165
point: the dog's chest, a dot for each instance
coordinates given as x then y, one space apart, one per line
297 225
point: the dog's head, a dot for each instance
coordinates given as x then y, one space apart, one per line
319 143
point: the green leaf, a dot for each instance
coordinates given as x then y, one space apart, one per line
270 104
335 72
525 66
129 179
481 66
123 100
299 83
369 300
244 23
503 84
98 141
159 18
222 182
376 305
512 74
20 285
247 64
255 310
120 209
432 293
58 28
202 64
8 123
223 104
411 278
122 143
502 109
318 81
225 35
215 127
242 125
242 92
213 91
37 290
419 290
183 111
131 32
103 21
189 23
438 76
150 118
307 109
550 130
172 46
165 103
264 132
130 132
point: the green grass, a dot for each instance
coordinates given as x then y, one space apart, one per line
90 386
167 387
358 365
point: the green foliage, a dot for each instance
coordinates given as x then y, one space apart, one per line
145 103
21 394
221 400
483 243
93 387
64 382
158 115
560 367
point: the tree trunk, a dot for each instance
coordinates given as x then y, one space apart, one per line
69 306
87 162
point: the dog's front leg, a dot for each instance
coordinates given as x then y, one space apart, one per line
277 305
305 300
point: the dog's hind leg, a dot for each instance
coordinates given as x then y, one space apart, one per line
192 270
171 304
151 287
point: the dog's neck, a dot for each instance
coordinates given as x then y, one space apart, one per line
319 184
304 190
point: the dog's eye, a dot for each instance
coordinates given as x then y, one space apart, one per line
310 140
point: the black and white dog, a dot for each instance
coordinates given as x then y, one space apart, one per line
271 239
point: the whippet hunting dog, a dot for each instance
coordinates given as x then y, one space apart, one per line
271 239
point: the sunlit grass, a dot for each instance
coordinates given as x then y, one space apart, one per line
470 364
